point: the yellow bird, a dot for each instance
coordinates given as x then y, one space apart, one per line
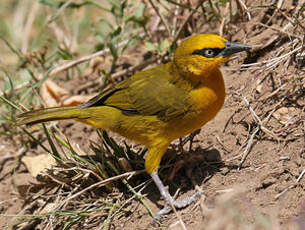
160 104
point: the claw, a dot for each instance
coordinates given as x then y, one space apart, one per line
178 204
170 200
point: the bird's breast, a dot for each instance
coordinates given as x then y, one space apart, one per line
204 102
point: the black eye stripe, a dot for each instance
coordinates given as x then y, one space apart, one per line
202 52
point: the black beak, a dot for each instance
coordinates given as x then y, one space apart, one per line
232 48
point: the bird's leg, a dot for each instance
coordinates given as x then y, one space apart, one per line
192 135
169 199
189 138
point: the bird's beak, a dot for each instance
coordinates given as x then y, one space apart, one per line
232 48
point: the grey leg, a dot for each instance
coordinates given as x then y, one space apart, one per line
169 199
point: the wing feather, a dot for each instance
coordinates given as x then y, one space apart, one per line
147 93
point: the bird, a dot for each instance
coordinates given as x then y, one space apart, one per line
158 105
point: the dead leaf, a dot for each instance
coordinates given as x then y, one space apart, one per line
77 100
22 182
285 114
48 208
46 97
38 164
51 93
259 86
94 66
125 164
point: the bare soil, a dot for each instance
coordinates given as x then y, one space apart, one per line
271 167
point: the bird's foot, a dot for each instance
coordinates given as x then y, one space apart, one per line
177 204
169 199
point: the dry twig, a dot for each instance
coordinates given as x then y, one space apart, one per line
177 36
161 17
291 186
260 126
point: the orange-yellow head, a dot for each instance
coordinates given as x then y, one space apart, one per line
199 54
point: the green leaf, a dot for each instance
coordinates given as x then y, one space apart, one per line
51 3
164 45
139 13
113 50
150 46
117 32
64 54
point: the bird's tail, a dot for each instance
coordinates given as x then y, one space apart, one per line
50 114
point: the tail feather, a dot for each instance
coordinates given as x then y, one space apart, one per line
50 114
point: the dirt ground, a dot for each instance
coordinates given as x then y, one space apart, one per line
248 162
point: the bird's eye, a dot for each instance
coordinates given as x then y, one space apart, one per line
209 53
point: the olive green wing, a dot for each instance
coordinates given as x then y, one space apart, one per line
147 93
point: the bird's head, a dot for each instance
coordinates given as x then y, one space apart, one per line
199 54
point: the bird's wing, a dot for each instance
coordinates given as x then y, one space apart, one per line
146 93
